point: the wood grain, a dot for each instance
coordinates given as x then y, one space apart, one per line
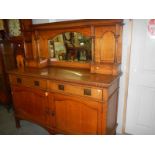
66 111
70 97
106 43
77 76
73 89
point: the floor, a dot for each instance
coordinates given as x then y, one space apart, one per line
7 125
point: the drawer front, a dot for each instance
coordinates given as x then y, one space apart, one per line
95 93
17 80
28 81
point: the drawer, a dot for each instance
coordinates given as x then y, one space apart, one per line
91 92
16 79
28 81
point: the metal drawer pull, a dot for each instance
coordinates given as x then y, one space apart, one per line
61 87
36 83
19 80
46 93
87 92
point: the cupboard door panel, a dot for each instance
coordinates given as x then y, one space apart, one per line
108 47
105 44
30 104
43 47
76 116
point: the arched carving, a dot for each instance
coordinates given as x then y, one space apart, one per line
107 47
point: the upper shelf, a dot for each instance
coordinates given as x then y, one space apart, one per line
76 23
93 44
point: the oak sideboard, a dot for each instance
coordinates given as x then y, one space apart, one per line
64 92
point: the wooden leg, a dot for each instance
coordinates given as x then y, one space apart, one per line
115 133
17 123
9 108
51 132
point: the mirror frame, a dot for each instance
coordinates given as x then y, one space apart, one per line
72 64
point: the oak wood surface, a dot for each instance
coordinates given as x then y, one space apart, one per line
72 115
76 23
106 43
79 76
69 97
76 89
67 112
30 103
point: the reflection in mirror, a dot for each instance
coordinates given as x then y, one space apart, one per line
70 46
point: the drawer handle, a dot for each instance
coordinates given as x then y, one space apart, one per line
87 92
61 87
36 83
19 80
46 93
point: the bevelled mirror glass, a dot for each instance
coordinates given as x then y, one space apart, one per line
70 46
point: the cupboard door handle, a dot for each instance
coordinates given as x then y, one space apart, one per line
19 80
36 83
61 87
46 93
87 92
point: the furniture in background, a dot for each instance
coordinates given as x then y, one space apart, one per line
70 97
13 34
7 62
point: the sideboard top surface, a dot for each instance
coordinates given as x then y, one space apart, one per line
79 76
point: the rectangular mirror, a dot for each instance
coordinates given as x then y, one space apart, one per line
70 46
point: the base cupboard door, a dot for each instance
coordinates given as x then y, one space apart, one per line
30 104
75 115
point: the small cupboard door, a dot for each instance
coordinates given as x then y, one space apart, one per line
30 103
75 115
108 43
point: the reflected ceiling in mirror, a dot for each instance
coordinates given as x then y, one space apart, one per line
70 46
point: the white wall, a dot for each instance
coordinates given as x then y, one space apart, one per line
125 44
41 21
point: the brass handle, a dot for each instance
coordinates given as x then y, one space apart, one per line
36 83
87 92
46 93
61 87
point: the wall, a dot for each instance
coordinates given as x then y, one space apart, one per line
41 21
125 46
141 93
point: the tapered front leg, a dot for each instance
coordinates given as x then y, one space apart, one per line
17 123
